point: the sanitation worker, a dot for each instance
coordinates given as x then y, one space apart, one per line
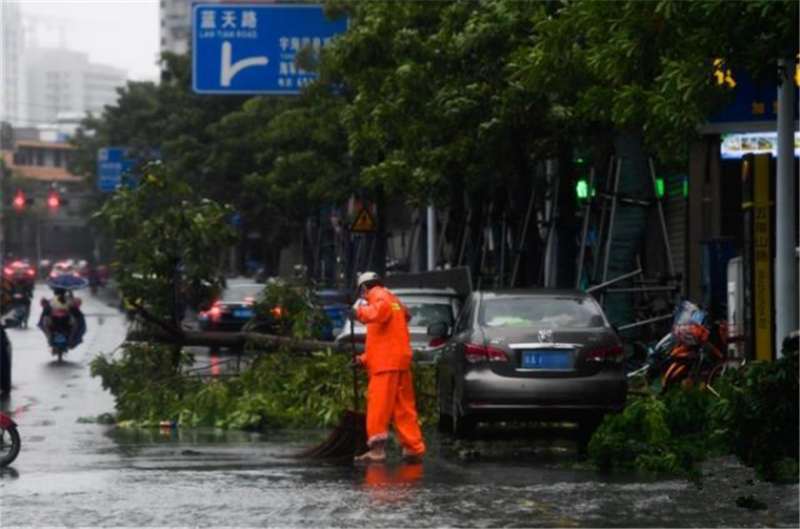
387 360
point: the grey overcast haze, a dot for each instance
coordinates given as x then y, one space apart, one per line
121 33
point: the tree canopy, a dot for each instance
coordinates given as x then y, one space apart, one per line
425 100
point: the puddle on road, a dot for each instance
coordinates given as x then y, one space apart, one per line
493 481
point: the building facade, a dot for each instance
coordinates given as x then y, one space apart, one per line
36 166
176 25
12 87
63 82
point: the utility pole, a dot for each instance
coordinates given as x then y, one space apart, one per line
551 212
786 272
431 238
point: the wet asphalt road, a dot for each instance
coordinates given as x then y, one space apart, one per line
74 473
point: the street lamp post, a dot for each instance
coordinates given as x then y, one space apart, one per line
786 291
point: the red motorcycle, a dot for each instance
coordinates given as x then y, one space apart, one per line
10 442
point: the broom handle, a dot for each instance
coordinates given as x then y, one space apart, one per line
355 359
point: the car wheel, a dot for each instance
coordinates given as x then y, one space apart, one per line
445 423
462 427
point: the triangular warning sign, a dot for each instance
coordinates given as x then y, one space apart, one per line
364 222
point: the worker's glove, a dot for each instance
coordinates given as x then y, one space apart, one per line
355 363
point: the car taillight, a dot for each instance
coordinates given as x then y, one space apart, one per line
31 272
478 353
605 354
436 342
277 312
8 271
215 312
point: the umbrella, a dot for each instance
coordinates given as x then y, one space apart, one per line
68 282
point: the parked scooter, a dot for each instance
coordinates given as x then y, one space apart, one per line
692 352
10 442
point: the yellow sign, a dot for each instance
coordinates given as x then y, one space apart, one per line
762 258
364 222
723 76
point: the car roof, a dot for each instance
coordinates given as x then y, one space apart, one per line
533 293
449 292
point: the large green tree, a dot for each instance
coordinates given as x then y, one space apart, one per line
276 159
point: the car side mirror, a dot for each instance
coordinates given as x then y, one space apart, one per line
438 330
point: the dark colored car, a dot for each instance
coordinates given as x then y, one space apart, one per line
427 307
334 304
232 310
529 356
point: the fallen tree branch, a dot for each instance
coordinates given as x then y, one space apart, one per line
149 317
239 340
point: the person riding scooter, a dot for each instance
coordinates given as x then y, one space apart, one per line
63 314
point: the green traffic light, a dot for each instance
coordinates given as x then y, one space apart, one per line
582 189
660 187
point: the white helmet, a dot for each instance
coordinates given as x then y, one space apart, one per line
366 277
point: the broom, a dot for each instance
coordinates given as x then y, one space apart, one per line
349 437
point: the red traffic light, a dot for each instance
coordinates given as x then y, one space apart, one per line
53 201
19 201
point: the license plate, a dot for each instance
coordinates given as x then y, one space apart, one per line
547 359
59 339
243 314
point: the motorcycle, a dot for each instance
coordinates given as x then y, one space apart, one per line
62 320
691 352
60 333
10 442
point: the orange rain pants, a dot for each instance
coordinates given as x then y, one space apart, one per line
390 398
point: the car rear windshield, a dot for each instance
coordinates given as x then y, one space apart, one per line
554 313
240 292
426 314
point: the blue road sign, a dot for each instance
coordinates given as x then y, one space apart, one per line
251 49
112 163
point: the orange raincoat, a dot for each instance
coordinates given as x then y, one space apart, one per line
390 395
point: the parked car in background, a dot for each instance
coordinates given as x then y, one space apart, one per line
427 306
335 303
529 356
232 310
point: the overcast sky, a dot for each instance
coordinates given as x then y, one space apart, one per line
122 33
